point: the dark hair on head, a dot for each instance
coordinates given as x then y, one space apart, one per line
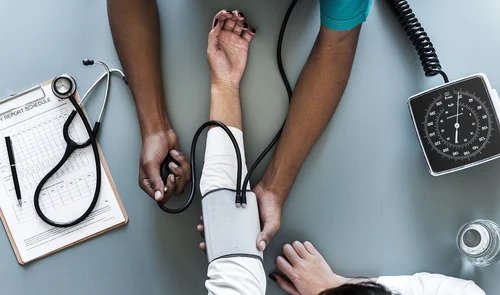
364 288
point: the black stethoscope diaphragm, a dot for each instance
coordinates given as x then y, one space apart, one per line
64 86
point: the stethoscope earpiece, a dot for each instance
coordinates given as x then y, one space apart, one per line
88 62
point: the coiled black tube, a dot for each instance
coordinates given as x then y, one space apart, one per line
419 38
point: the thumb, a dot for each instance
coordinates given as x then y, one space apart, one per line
270 228
153 172
284 284
217 24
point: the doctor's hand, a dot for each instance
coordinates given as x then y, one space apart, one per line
155 148
302 270
228 44
270 215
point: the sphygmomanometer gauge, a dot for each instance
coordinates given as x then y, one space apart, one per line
457 124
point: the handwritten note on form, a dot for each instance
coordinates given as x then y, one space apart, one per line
34 120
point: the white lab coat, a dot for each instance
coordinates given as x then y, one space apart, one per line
245 275
429 284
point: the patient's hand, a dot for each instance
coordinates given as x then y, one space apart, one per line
228 44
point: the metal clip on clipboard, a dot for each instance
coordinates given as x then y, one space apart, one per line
35 89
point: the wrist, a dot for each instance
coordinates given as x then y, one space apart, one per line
337 281
279 194
225 87
151 114
156 130
277 183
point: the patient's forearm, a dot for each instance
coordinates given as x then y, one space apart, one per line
136 32
315 98
225 105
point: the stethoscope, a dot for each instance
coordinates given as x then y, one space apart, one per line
64 87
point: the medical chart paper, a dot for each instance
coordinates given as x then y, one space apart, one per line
34 121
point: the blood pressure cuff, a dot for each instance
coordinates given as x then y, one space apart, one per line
230 231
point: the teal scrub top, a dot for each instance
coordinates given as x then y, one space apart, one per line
341 15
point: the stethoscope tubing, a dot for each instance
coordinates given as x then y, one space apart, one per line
70 148
93 86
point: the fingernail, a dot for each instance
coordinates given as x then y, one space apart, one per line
262 245
165 189
253 30
172 165
245 25
216 22
174 152
241 14
157 195
171 177
272 276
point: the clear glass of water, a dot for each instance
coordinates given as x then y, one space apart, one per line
479 242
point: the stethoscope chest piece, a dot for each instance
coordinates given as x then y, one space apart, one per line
64 86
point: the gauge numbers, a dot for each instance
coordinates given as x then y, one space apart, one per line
458 124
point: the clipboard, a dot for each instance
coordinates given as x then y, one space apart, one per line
62 242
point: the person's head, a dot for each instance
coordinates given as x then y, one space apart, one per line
365 288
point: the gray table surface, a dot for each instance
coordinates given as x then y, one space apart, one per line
364 195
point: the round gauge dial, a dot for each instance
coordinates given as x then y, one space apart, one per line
458 124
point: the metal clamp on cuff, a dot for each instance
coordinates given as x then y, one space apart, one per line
230 231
